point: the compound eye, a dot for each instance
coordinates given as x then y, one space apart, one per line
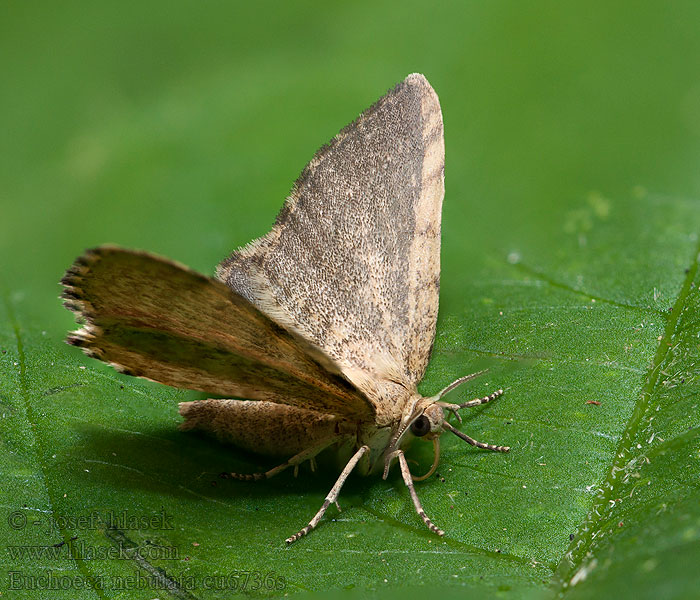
420 426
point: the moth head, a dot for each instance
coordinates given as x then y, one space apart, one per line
428 423
425 418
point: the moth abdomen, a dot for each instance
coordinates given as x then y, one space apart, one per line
263 427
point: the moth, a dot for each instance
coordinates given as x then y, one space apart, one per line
320 330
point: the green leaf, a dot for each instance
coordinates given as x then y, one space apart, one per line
570 270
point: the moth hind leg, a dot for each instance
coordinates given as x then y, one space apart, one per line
264 428
308 454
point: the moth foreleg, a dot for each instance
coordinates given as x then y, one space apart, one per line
332 495
484 400
453 408
473 442
470 440
408 480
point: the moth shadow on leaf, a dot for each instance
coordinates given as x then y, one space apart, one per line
188 465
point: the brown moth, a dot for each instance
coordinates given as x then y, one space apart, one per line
325 324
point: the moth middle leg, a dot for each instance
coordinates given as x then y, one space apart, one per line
332 496
408 480
265 428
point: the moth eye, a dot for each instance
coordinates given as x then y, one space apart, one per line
420 426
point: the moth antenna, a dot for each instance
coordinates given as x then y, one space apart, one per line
472 441
436 458
458 382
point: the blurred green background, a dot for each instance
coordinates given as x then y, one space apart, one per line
570 229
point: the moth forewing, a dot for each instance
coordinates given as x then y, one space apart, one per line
325 325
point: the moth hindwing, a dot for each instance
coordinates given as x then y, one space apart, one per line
324 326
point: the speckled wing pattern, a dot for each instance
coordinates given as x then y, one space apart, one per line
153 318
352 262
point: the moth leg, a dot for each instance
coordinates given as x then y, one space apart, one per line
453 408
408 480
472 441
308 454
332 495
